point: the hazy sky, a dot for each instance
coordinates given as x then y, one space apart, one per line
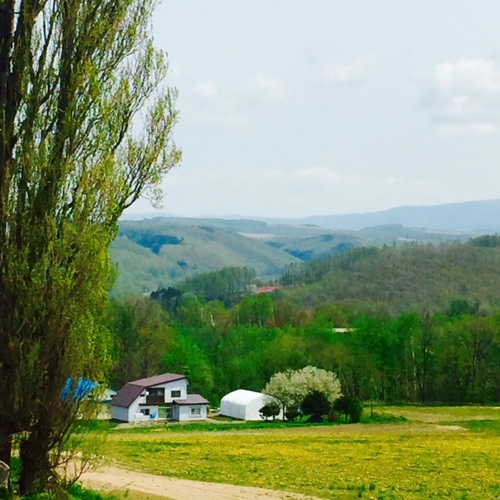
290 108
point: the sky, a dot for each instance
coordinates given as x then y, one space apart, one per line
293 108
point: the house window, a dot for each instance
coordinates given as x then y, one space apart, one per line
195 411
145 411
175 394
155 395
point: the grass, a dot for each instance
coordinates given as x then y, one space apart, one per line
443 413
411 460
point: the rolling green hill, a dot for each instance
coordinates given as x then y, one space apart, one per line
160 252
396 280
153 254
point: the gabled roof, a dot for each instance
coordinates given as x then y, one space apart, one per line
192 399
129 392
126 395
157 379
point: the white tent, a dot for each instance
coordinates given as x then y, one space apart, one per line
243 404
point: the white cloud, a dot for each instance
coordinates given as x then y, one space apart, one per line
465 99
469 76
210 105
347 74
206 90
455 130
265 88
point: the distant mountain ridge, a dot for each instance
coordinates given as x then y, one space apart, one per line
476 216
465 216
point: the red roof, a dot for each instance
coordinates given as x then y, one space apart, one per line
265 289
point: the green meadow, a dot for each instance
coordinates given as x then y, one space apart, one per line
421 452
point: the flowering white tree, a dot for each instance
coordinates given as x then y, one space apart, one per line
292 386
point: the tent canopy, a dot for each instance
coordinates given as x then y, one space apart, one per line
243 404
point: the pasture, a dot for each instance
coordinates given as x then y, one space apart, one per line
439 452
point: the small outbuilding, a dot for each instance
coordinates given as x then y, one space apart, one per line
244 405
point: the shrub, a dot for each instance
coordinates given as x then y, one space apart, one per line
316 405
355 410
270 410
350 407
292 412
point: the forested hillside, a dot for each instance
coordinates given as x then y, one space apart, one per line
417 277
156 253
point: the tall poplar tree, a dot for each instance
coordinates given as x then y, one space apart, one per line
85 129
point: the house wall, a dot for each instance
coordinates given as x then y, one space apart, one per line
153 409
133 409
119 413
184 412
176 385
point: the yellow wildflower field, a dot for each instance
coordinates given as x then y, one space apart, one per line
409 461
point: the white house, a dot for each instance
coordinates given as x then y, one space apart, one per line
244 405
162 397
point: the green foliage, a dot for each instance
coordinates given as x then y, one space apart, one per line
185 356
423 278
459 307
142 336
150 239
270 410
255 310
316 405
487 240
292 412
228 284
78 492
170 298
75 78
355 410
341 406
410 357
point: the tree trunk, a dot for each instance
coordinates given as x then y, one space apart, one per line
5 447
36 468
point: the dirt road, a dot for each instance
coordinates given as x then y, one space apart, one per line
113 478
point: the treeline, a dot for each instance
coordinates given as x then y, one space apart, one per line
417 277
452 356
228 285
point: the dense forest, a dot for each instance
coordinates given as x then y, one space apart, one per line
384 345
416 277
